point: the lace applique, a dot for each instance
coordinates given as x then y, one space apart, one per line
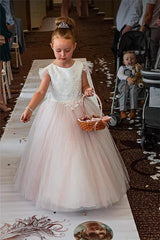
87 66
72 105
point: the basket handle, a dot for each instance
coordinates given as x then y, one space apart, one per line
100 103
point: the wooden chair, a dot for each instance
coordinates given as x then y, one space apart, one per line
15 47
8 70
5 86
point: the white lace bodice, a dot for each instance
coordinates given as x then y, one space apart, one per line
66 83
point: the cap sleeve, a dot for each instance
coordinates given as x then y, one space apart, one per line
87 66
43 71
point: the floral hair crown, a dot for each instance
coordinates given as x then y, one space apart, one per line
63 25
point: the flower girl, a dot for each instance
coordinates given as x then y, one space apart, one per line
64 168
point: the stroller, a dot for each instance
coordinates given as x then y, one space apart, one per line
151 108
130 41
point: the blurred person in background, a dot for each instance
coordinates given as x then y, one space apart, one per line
149 22
81 6
9 18
4 51
146 13
123 21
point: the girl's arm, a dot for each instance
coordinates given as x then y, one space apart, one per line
36 99
86 89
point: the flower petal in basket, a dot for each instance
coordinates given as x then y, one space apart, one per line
94 123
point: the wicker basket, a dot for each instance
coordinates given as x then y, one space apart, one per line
93 123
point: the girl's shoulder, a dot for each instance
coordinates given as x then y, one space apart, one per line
86 66
45 70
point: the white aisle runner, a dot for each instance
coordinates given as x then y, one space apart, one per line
13 206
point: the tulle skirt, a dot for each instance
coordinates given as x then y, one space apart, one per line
64 168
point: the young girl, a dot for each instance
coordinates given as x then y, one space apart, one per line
63 167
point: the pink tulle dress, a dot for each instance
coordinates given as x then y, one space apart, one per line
64 168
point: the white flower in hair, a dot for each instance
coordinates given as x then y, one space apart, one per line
63 25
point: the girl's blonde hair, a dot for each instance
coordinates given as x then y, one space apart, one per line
64 29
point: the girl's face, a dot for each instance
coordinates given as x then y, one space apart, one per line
63 49
129 59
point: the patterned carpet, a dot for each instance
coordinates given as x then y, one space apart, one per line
19 217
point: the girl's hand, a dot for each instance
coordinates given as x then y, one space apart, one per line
26 115
89 92
130 81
